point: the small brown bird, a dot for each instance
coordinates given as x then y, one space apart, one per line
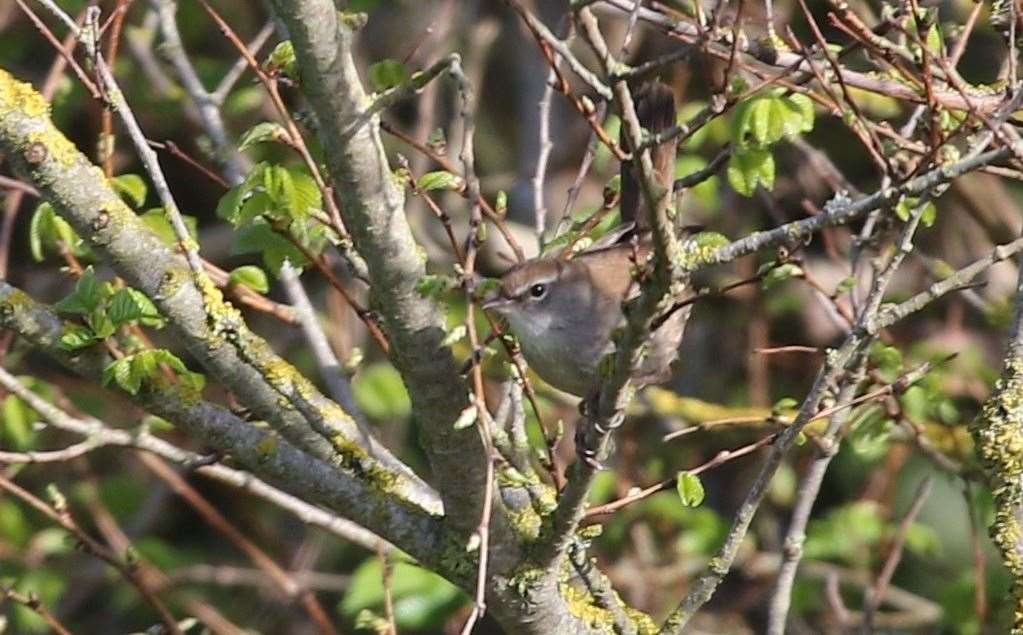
563 310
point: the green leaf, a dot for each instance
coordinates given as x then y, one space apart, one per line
908 206
781 273
387 74
749 168
690 489
783 405
48 230
131 371
16 418
261 133
282 58
929 215
706 192
803 105
380 393
846 285
304 195
130 305
848 534
440 180
131 187
887 359
422 599
250 276
766 119
75 337
156 220
433 285
88 293
501 203
100 323
870 434
231 202
260 238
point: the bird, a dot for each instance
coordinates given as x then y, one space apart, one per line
563 308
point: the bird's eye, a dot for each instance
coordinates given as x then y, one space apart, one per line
538 290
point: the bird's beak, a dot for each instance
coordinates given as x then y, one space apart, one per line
496 302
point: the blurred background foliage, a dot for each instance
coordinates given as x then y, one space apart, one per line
651 548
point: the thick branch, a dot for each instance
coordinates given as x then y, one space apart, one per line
998 435
372 205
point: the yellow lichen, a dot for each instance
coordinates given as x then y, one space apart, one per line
583 606
998 438
20 96
57 146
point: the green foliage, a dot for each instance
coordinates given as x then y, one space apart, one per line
440 180
749 168
434 285
129 305
870 433
282 60
88 294
908 205
714 131
706 193
784 405
104 310
156 220
757 124
847 534
581 241
261 133
132 371
851 534
387 74
422 600
250 276
273 207
887 360
780 274
380 393
690 489
17 417
48 231
47 585
131 187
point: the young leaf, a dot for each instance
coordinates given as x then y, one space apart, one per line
131 187
282 59
131 371
130 305
88 293
690 489
75 337
784 404
781 274
261 133
250 276
387 74
440 180
230 203
156 220
749 168
48 230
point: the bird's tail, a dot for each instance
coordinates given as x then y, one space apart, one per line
655 109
